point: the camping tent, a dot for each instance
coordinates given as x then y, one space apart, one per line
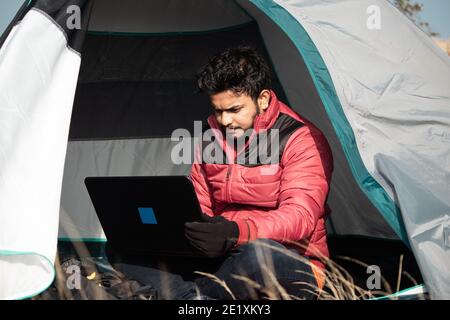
100 93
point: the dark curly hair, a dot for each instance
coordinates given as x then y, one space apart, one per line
240 69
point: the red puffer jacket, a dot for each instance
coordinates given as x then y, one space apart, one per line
285 201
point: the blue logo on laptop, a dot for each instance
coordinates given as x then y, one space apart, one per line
147 216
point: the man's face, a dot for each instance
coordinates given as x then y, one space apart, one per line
234 112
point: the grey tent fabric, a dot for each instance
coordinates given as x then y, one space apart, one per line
399 114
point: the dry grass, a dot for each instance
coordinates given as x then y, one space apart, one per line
338 285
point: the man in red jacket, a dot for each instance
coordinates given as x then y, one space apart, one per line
263 212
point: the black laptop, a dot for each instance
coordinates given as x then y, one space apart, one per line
145 215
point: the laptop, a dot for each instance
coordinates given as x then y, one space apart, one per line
145 215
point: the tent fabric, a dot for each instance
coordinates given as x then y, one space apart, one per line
144 85
179 16
380 97
125 157
399 113
38 80
61 13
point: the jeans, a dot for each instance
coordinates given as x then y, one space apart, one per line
259 269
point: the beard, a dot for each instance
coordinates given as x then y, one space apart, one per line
238 141
229 132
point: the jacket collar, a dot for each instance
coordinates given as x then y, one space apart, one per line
268 118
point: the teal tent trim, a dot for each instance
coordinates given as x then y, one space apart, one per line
324 85
82 239
406 293
16 253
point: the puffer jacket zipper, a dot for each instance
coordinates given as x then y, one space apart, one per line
213 124
227 183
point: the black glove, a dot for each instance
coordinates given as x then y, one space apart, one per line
214 237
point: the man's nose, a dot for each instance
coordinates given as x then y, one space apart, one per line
226 119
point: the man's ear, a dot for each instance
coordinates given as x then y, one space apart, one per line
263 101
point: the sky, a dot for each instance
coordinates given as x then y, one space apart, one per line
7 10
435 12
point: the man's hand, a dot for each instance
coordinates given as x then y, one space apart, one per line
214 237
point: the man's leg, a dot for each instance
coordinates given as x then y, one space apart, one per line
266 264
154 271
169 286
